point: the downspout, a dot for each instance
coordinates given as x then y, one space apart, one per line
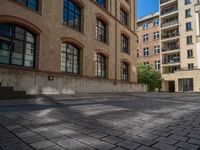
116 48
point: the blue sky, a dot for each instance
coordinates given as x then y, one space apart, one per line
145 7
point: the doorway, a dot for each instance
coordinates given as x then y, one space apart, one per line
171 86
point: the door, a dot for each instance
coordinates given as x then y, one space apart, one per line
171 86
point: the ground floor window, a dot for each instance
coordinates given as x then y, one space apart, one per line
124 71
185 85
17 46
70 58
100 66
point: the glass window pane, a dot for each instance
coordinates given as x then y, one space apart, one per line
4 52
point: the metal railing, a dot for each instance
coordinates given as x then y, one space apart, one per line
170 35
171 61
168 11
166 24
164 1
165 49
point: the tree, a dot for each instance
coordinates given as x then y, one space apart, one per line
149 76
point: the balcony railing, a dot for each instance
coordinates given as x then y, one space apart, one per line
170 35
168 11
164 1
166 24
171 61
165 49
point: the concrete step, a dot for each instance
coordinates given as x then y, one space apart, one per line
10 93
15 96
6 90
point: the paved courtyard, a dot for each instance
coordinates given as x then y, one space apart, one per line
101 122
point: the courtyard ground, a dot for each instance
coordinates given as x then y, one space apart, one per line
102 122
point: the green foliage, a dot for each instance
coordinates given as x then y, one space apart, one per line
149 76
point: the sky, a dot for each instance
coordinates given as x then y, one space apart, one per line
145 7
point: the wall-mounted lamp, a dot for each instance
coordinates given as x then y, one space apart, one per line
50 78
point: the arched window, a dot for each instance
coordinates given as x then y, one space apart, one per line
72 14
17 45
124 71
100 66
102 3
70 58
100 31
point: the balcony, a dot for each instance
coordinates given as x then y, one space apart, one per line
171 69
170 49
171 61
169 24
170 36
163 2
169 11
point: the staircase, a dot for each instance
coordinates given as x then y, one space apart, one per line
10 93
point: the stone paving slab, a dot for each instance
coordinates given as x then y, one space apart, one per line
137 121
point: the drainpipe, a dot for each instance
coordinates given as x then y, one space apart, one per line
116 47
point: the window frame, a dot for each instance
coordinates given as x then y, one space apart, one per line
101 61
125 69
101 27
67 11
24 43
125 44
67 54
27 3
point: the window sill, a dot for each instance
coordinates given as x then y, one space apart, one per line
190 57
127 53
102 42
38 12
78 31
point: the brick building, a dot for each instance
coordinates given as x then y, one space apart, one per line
148 48
68 46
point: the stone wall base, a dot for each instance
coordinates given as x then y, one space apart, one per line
39 83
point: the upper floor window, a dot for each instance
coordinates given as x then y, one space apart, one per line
191 66
123 17
124 71
189 40
157 65
156 49
156 35
102 3
187 2
124 44
188 13
190 53
188 26
145 25
156 22
100 66
17 46
145 37
100 30
146 52
32 4
70 58
72 14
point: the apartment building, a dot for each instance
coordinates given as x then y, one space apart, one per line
68 46
180 45
148 39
